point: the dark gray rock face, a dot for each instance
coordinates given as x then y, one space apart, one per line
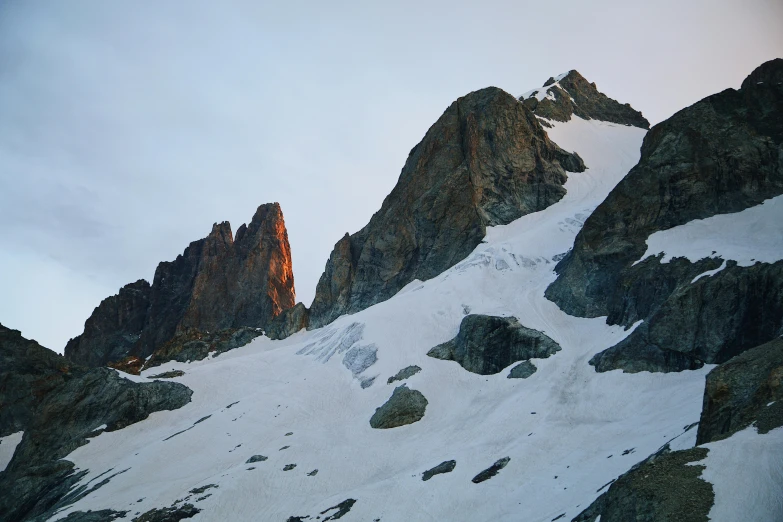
28 372
522 370
103 515
747 389
288 322
405 406
444 467
663 488
114 327
486 161
256 458
491 471
405 373
720 155
195 345
70 403
709 321
576 96
218 283
486 344
169 514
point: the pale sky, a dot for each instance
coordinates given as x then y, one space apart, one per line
128 128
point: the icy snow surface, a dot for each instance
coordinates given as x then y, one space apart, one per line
752 235
567 429
750 460
8 445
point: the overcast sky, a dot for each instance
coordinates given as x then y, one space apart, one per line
128 128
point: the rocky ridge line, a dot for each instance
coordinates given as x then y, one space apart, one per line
571 94
220 284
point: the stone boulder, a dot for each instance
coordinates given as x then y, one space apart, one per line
405 406
486 344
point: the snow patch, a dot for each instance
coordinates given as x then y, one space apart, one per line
746 471
747 237
8 446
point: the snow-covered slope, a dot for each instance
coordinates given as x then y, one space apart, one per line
567 430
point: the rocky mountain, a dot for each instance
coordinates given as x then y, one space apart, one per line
220 283
570 94
486 161
718 156
507 279
59 406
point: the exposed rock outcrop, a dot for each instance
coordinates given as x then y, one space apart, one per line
522 370
405 406
405 373
721 155
709 321
444 467
218 283
28 372
491 471
486 344
288 322
666 487
571 95
486 161
69 403
114 327
748 389
195 345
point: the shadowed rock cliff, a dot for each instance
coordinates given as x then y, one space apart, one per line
486 161
218 283
59 405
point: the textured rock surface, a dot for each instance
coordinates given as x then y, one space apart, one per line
444 467
663 488
71 403
169 514
522 370
486 161
573 95
194 345
405 406
747 389
721 155
114 327
405 373
491 471
288 322
486 344
28 372
218 283
709 321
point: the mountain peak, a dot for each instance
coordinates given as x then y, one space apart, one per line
571 94
218 283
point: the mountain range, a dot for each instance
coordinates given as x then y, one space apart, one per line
558 313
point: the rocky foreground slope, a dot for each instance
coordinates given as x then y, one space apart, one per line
220 289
